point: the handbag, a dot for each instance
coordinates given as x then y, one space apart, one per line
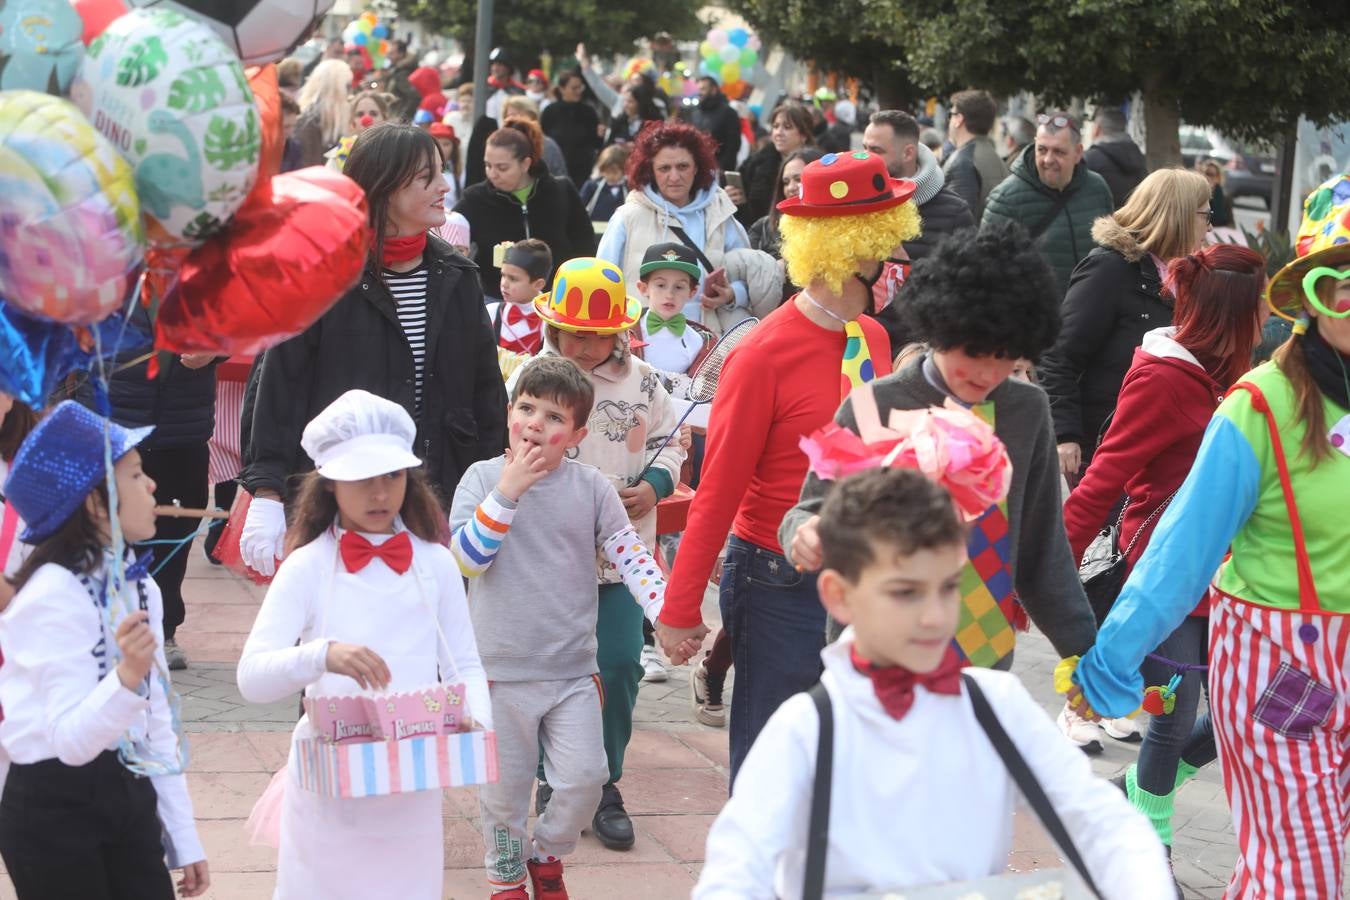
1104 567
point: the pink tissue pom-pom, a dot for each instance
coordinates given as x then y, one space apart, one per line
948 444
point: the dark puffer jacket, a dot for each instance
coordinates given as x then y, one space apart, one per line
360 344
1023 198
554 214
1120 162
1114 299
942 214
180 402
716 117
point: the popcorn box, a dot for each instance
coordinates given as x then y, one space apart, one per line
407 714
340 719
456 714
381 768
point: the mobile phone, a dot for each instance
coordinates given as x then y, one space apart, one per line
734 180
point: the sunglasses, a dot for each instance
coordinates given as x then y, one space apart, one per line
1060 121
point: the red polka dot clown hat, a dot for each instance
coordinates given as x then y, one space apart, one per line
847 184
588 295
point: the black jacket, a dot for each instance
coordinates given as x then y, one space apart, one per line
1114 298
944 213
758 173
554 214
717 118
1121 163
575 126
180 402
359 344
406 96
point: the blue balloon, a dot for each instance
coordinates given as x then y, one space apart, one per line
360 39
36 354
380 31
738 36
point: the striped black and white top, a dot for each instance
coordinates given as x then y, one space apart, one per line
409 290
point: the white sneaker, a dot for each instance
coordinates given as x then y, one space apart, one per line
652 667
174 656
1085 735
1123 729
705 694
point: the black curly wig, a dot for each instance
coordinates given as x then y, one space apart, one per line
988 292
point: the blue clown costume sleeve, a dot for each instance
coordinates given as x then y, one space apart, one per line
1186 550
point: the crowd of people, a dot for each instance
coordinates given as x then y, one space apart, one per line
946 368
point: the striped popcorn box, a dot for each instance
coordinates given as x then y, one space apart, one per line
381 768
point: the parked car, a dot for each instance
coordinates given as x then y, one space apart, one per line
1249 167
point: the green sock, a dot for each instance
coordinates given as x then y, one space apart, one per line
1158 807
1185 772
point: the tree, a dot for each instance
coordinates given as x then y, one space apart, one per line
1246 67
531 27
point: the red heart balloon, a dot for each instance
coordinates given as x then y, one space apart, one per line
97 15
279 266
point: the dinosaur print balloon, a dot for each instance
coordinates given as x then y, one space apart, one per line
174 101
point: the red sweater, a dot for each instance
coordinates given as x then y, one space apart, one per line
780 383
1164 406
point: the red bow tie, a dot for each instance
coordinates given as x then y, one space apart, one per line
894 685
397 552
516 313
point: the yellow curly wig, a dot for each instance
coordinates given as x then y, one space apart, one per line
829 247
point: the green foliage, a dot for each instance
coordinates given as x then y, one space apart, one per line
196 91
141 63
1276 246
1247 67
228 145
530 27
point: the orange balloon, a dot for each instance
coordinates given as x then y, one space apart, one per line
267 97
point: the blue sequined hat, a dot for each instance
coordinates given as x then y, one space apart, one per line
59 463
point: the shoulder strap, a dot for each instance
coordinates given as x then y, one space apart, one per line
698 251
1026 782
818 826
497 320
1307 590
1055 209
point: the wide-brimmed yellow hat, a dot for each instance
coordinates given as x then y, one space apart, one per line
1323 244
588 295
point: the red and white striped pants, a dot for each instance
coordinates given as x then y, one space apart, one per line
1279 685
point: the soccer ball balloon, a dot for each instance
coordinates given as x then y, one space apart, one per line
260 31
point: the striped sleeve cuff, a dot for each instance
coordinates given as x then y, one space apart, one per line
476 542
637 567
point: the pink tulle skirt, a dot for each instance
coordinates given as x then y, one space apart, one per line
264 822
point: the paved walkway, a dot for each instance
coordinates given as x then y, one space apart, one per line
674 784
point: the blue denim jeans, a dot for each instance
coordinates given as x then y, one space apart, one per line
1180 735
773 616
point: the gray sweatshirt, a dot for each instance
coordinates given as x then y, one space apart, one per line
1044 574
534 608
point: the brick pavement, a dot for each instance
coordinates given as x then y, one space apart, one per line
675 780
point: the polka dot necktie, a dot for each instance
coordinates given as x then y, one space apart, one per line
857 366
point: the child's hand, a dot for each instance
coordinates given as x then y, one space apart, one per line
638 500
686 437
361 664
196 879
689 649
521 472
137 643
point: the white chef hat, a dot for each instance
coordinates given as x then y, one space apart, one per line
359 436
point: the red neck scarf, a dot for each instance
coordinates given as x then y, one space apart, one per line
357 551
402 249
894 685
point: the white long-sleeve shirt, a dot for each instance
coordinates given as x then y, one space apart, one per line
916 801
315 600
58 707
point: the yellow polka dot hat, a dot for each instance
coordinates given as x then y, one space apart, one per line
847 184
588 295
1323 246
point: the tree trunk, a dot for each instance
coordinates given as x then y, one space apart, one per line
1162 138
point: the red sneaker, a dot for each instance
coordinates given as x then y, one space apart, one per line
546 879
515 893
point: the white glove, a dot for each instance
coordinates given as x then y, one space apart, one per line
262 542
